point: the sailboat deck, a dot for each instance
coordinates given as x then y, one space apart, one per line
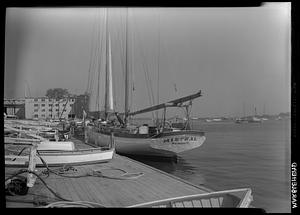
151 185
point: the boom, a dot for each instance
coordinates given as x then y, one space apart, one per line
173 103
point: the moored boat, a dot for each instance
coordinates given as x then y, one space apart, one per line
238 198
160 139
59 158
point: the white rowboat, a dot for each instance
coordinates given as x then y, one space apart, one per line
238 198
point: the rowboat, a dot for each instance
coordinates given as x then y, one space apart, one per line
237 198
59 158
55 153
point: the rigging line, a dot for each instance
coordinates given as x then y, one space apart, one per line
147 77
104 61
97 72
95 42
102 52
149 85
132 81
118 39
126 108
121 54
130 66
158 19
91 53
98 68
146 72
94 56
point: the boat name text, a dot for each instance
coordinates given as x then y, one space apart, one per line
179 140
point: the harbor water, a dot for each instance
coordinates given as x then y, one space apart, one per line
254 155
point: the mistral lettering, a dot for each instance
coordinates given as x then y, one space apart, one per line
179 140
294 185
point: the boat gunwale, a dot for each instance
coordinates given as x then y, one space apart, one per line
148 136
75 152
243 203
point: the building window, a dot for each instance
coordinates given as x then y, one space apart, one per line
57 109
50 110
36 105
43 105
36 115
36 110
56 105
43 115
43 100
43 110
50 105
35 100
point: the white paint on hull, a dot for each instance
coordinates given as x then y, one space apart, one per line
178 143
57 146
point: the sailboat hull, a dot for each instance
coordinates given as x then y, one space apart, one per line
163 145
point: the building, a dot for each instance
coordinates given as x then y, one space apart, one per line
15 107
46 108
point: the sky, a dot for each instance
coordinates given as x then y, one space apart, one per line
238 57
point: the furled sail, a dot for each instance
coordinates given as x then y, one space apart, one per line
110 104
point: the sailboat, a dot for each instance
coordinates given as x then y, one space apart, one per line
255 119
242 119
160 140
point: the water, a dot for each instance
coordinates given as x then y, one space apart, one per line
240 155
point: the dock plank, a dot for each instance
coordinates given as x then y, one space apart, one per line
153 185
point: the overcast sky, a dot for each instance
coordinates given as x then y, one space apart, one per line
235 56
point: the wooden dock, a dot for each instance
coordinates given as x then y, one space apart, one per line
107 188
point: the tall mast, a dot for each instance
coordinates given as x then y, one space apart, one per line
158 50
126 109
106 66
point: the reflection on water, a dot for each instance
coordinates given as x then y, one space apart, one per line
179 167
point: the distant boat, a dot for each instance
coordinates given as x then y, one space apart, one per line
239 198
241 120
254 120
217 120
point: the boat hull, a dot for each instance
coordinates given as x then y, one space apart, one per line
238 198
58 158
163 145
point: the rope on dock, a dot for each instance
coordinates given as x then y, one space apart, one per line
77 204
94 173
21 171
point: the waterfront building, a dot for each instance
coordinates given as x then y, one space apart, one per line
48 108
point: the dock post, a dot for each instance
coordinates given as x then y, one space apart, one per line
56 136
112 140
32 162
